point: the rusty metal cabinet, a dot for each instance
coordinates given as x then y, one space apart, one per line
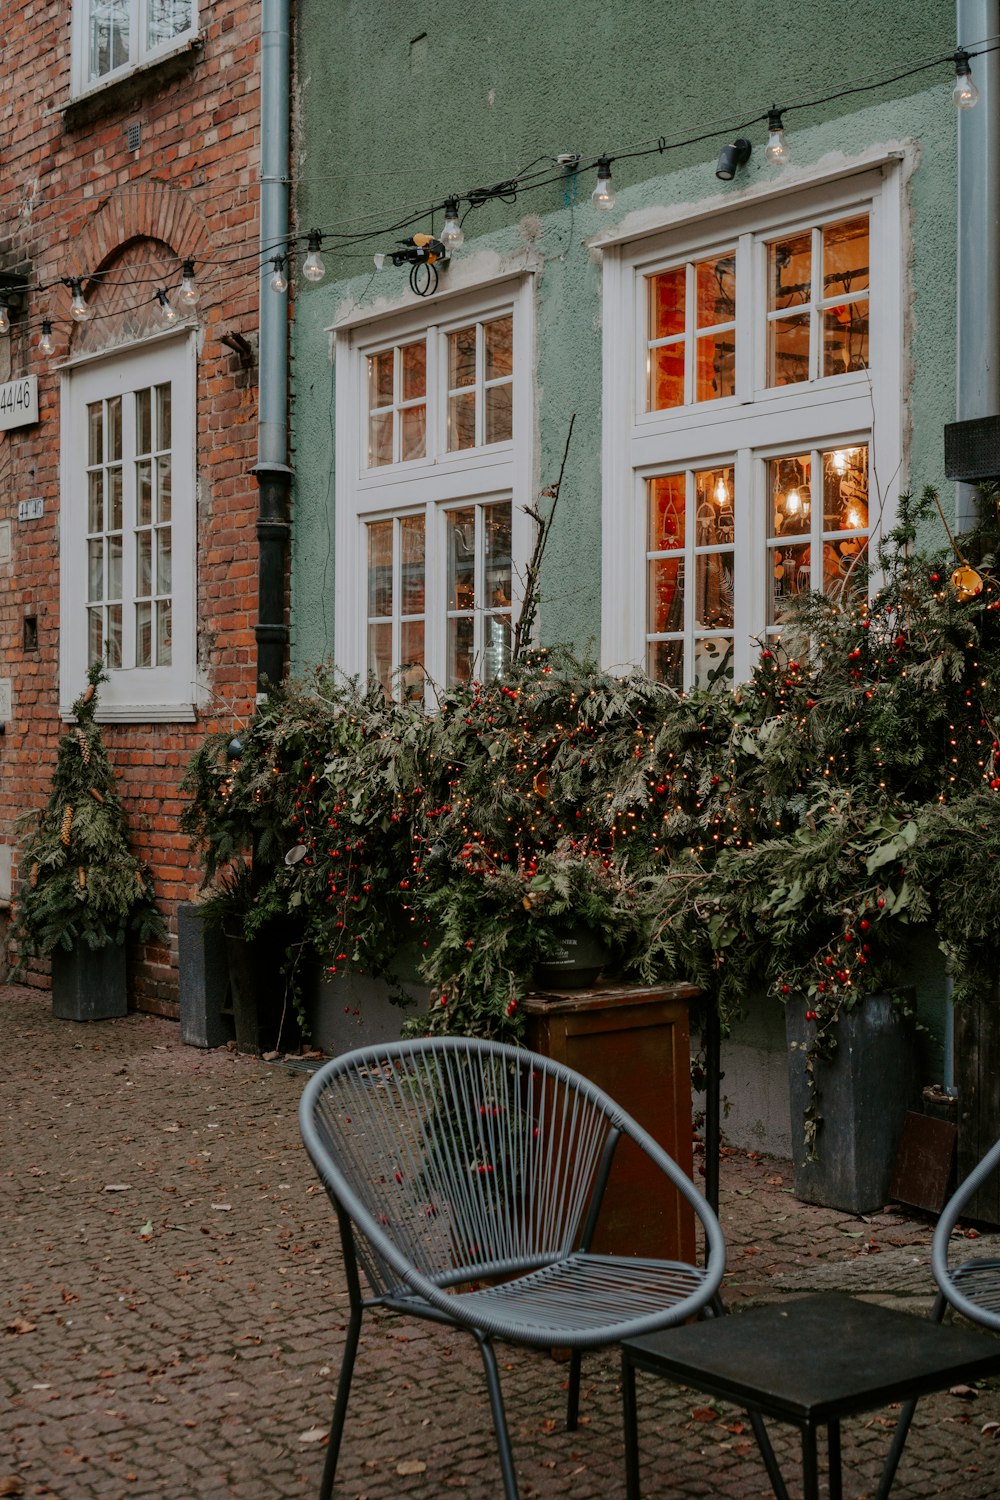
633 1042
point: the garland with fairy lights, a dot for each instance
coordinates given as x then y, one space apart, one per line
427 253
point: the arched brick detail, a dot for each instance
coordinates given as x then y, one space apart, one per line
145 210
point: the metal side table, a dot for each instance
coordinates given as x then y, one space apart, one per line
809 1362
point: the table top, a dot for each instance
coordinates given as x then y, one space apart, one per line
816 1358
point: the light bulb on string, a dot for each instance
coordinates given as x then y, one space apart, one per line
776 151
188 293
965 94
603 196
279 281
313 268
168 313
78 307
452 235
4 316
45 343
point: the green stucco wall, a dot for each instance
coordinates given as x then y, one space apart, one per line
401 105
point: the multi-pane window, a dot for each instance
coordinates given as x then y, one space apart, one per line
691 332
479 591
480 383
131 430
433 474
690 575
112 36
752 375
817 303
397 592
815 544
397 404
127 530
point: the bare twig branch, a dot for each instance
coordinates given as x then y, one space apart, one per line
529 601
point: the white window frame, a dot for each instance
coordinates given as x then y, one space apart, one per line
140 55
756 423
131 694
443 479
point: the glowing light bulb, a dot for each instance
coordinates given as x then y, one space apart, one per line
776 151
452 235
78 307
45 342
793 503
188 293
313 268
721 491
965 94
603 196
279 281
839 462
854 518
167 313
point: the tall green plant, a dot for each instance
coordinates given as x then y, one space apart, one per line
80 881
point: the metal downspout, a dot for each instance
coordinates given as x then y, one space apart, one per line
273 473
978 256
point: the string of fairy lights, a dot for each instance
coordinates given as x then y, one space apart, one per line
174 299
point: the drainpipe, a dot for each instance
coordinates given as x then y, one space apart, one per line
273 473
978 267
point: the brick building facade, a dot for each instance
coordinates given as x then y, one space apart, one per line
131 146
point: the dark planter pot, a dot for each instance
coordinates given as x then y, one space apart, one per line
575 962
863 1094
89 984
206 1007
261 1017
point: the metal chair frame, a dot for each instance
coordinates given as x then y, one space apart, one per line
467 1177
972 1288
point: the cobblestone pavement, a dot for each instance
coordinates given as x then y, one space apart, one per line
173 1309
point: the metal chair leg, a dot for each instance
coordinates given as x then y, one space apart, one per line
340 1406
901 1433
573 1399
499 1416
631 1427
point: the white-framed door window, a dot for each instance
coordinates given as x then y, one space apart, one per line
752 420
127 530
112 38
433 471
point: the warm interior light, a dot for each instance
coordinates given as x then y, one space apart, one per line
793 503
721 491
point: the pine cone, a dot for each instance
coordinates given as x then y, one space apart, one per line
88 694
82 877
84 744
67 826
33 877
96 795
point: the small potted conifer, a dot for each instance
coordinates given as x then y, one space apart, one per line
82 891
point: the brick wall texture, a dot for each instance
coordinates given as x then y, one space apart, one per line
75 200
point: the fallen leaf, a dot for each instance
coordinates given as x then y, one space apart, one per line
118 1187
312 1435
11 1484
704 1414
988 1429
21 1325
223 1208
411 1466
967 1392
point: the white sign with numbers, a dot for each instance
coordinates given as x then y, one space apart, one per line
18 402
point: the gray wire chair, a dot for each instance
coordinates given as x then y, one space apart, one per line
971 1288
467 1178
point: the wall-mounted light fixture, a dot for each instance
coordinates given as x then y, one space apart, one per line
732 157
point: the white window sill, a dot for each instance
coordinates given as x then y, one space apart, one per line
193 42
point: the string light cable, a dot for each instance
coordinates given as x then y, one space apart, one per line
541 172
